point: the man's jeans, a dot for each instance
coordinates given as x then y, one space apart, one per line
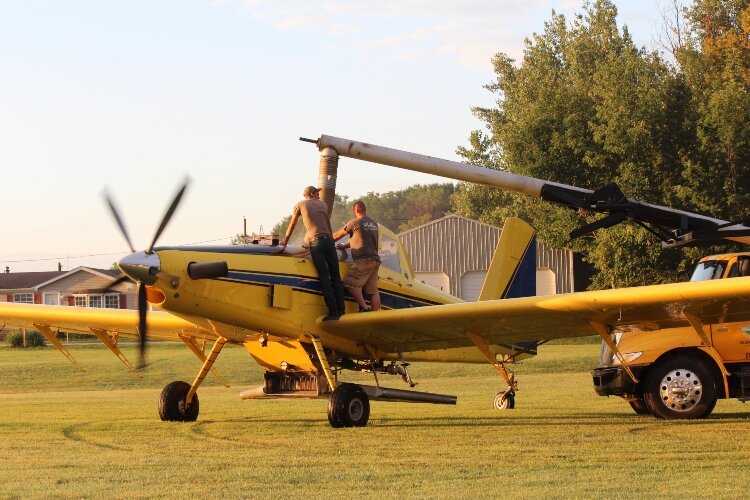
326 260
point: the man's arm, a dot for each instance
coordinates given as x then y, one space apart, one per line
339 234
290 229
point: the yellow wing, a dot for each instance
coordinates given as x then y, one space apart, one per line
510 321
161 325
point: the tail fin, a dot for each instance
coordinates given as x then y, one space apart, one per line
512 272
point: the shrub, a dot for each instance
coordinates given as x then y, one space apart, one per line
33 339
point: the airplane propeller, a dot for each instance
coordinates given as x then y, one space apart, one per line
140 285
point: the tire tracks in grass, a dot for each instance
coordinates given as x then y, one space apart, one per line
74 432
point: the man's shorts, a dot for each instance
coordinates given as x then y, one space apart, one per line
363 274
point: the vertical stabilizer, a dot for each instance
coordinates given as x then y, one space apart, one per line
512 272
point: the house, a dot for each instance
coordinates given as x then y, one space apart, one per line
82 287
454 253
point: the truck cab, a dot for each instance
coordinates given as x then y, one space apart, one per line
680 373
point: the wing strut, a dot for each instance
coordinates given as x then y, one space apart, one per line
52 337
499 366
605 333
112 344
697 325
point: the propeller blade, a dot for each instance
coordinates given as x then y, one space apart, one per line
142 311
116 282
118 219
168 215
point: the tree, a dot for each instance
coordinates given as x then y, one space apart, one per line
716 64
586 107
397 210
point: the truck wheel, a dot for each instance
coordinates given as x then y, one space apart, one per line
681 387
639 406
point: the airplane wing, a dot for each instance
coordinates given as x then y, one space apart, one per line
161 325
510 321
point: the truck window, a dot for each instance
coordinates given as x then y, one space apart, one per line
733 271
709 270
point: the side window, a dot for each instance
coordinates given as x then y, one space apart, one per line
733 271
389 254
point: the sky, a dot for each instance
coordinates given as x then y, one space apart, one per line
134 96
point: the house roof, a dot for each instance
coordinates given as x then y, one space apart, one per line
9 281
28 280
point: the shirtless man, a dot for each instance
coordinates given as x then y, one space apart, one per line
318 235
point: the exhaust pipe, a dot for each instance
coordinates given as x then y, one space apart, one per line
207 270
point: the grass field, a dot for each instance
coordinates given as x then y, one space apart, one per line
97 434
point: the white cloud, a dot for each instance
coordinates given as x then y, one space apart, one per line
468 32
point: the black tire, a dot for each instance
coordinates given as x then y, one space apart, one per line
639 406
681 387
504 400
172 403
348 406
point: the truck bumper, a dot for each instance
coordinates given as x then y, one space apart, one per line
614 381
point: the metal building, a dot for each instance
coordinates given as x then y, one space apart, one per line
454 253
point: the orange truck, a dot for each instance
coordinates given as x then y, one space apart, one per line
681 372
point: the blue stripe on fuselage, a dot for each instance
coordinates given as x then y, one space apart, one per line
309 284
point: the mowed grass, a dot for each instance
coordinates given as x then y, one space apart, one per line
98 434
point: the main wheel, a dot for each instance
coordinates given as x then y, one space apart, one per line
681 387
504 400
639 406
348 406
172 403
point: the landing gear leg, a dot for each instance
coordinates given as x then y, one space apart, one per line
179 400
504 400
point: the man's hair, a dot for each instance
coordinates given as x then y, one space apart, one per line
360 205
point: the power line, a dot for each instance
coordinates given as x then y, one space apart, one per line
64 257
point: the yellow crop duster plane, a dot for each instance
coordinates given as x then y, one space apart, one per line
267 299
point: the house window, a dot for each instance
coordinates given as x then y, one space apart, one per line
23 298
112 301
108 300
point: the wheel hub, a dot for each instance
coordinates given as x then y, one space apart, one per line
356 409
680 390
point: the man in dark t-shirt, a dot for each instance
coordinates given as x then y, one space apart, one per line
363 240
318 235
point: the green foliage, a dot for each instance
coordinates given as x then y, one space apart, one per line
586 107
410 207
716 66
33 339
397 210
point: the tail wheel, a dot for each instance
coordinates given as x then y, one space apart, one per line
172 403
348 406
681 387
505 400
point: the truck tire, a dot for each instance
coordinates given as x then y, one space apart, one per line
680 387
639 406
